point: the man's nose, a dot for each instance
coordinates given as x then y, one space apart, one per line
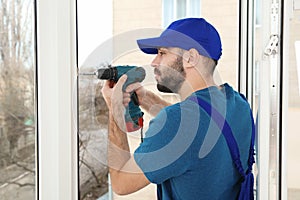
155 62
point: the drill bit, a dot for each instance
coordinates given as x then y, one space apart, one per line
88 73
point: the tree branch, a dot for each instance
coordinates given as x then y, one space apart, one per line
24 167
91 170
18 184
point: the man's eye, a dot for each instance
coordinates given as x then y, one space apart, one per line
161 53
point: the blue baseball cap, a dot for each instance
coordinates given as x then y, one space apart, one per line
186 33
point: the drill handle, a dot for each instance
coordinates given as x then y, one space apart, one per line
134 98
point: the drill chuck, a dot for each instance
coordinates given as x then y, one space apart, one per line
108 74
134 74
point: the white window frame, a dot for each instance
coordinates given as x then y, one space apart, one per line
57 107
189 5
272 114
288 13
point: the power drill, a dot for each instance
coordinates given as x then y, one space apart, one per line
133 113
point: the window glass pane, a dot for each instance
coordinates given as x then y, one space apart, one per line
92 16
181 8
17 100
144 14
258 44
194 8
293 138
225 18
131 21
258 14
168 12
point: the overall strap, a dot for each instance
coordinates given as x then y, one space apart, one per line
251 159
227 132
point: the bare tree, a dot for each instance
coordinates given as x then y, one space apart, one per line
17 87
93 117
17 104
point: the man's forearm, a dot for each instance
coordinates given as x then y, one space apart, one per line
126 176
152 103
118 148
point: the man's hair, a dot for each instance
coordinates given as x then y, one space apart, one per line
209 64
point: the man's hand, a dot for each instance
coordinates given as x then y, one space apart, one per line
113 96
107 92
112 92
149 101
138 89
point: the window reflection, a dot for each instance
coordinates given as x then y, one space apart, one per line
17 100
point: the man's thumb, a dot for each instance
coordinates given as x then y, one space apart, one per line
121 81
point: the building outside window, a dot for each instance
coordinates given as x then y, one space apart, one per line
177 9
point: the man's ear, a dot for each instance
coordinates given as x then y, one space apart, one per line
194 57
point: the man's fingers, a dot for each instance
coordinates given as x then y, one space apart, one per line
117 95
121 82
106 84
133 87
107 92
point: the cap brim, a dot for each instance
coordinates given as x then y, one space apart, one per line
151 45
172 38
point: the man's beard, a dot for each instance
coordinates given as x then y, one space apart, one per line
173 77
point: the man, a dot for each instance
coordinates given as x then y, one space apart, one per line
184 150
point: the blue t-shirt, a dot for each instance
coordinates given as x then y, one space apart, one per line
185 153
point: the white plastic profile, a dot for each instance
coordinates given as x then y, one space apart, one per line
56 75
